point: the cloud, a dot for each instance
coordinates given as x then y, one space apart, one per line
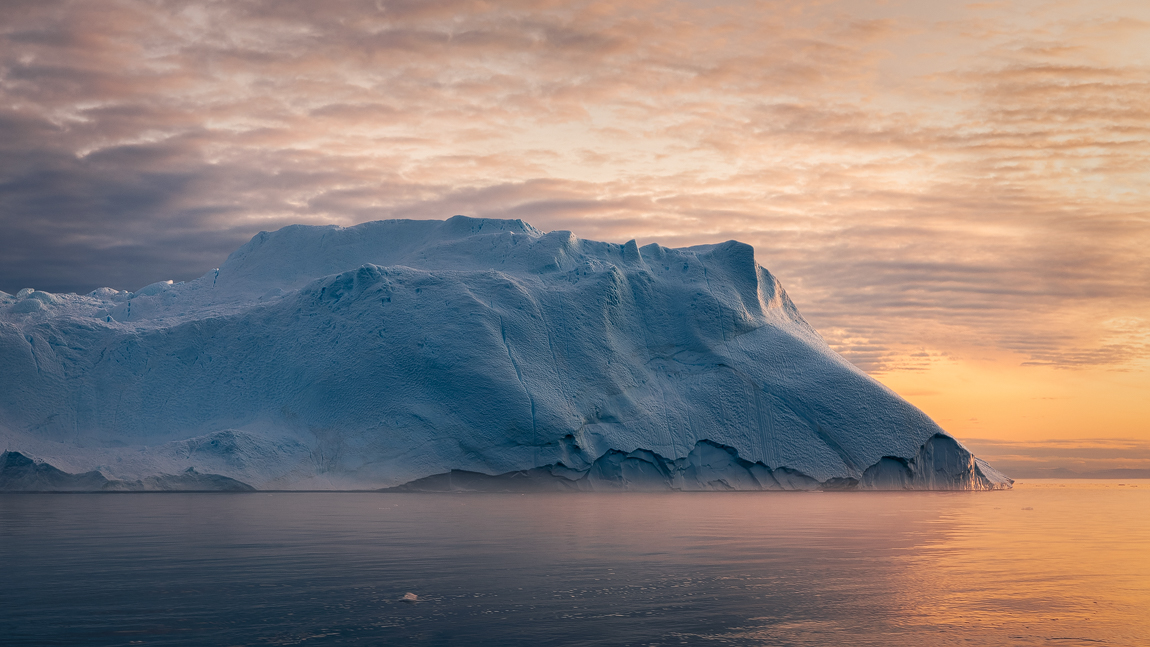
914 177
1088 458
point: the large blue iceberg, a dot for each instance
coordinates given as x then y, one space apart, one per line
465 354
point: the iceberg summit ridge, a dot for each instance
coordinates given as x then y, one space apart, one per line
460 354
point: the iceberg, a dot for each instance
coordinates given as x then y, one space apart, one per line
465 354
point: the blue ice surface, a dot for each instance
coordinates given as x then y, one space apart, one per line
392 351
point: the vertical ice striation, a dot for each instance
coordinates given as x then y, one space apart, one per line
395 351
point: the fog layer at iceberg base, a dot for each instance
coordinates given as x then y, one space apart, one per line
465 354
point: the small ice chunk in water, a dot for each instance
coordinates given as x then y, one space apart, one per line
410 597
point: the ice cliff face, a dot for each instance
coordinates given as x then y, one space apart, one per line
458 354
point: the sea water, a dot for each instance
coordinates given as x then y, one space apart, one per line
1047 563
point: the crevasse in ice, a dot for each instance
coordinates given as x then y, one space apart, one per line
458 354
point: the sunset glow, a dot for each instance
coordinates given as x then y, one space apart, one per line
955 196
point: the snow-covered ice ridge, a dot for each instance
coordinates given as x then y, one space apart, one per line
459 354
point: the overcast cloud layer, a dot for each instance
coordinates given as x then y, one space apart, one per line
1079 458
923 180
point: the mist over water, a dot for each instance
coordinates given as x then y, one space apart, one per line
1050 562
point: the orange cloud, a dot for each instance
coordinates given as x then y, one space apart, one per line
932 183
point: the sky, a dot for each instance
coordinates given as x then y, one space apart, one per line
957 196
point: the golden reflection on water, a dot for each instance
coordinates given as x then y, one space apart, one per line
1047 563
1050 562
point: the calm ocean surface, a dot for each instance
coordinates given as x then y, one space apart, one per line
1049 563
